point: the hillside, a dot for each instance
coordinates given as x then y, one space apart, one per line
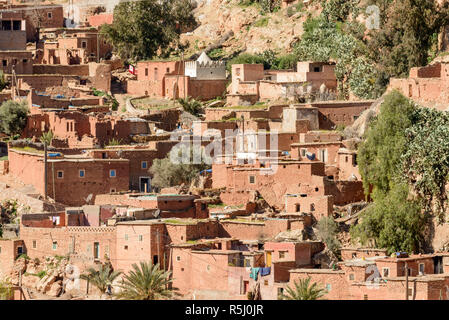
241 27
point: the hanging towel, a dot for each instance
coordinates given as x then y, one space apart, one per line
254 272
265 271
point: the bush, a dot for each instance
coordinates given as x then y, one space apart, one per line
327 230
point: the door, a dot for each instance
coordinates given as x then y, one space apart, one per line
268 258
145 184
245 286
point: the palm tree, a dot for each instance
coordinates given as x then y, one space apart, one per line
102 278
145 282
304 291
46 139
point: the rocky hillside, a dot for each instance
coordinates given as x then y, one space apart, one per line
236 26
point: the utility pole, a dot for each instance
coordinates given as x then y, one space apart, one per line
45 169
157 235
183 65
406 281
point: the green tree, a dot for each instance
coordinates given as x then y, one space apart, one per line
394 222
145 282
141 29
407 34
304 290
13 117
379 156
425 162
101 278
327 230
173 170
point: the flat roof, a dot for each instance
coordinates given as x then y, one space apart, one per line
322 271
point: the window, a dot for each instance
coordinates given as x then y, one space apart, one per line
421 268
385 272
144 164
168 70
112 173
297 207
55 245
60 174
25 60
82 173
178 258
281 254
303 152
104 155
140 237
155 259
49 15
252 179
351 276
146 71
112 190
126 248
19 250
126 237
365 297
96 250
34 244
83 44
316 69
5 63
265 282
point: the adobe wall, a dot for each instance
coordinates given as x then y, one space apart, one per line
28 168
73 70
74 190
12 40
137 243
339 287
8 255
345 192
79 240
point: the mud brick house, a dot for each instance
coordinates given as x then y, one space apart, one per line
10 249
13 34
287 184
80 129
168 205
202 79
426 85
378 277
71 180
78 46
44 16
149 240
15 60
211 271
85 245
251 83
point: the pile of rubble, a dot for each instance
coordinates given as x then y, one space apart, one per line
45 276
